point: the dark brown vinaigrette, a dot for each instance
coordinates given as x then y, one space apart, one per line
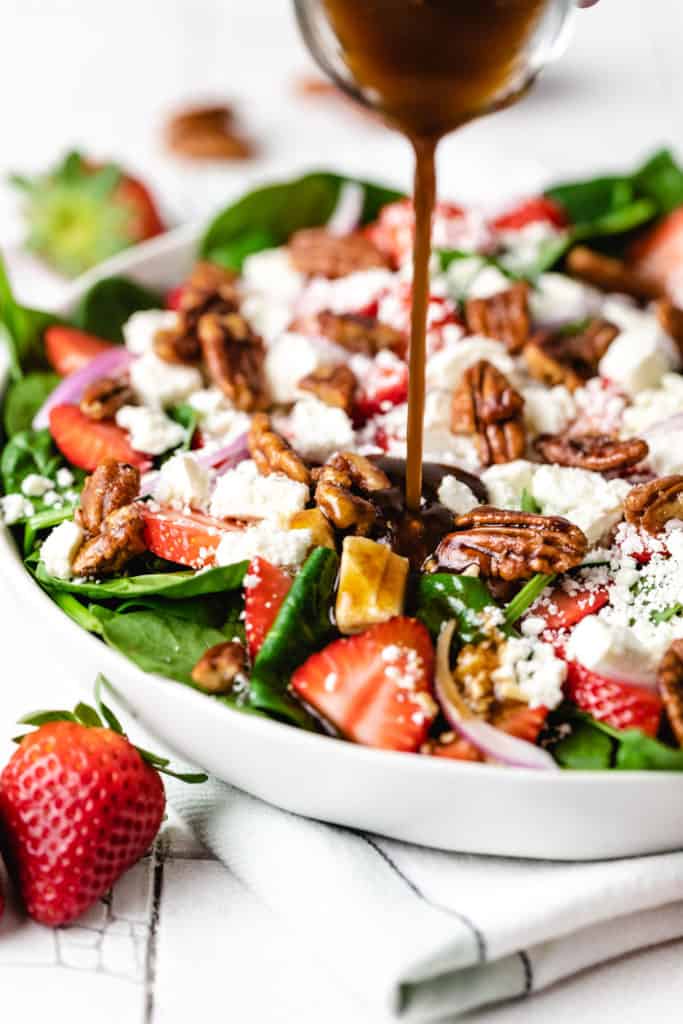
429 66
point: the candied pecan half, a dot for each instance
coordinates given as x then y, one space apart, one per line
357 333
272 454
556 357
110 487
512 545
485 404
234 357
219 667
653 504
317 252
671 320
503 316
342 486
208 289
597 452
333 385
121 537
103 398
609 274
670 683
207 133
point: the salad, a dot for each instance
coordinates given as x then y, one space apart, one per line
211 480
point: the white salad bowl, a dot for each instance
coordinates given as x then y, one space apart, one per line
433 802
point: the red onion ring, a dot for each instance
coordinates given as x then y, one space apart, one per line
70 390
495 744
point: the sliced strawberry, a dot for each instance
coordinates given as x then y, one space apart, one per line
86 443
374 687
265 588
457 749
564 610
535 210
186 538
621 705
658 255
69 349
384 385
394 229
174 297
144 221
522 722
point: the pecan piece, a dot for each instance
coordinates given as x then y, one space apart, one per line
272 453
333 385
512 545
207 133
670 684
597 452
556 357
357 333
103 398
219 667
110 487
671 320
503 316
317 252
653 504
485 404
234 357
342 488
208 289
609 274
121 537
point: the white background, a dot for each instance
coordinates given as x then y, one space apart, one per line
101 76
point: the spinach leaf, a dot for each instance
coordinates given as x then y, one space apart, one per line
638 752
661 180
21 330
585 749
44 520
106 306
270 215
78 612
210 610
441 597
188 418
587 201
594 744
24 398
165 644
30 451
173 585
303 625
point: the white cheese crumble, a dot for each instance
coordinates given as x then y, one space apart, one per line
548 410
558 299
666 450
243 493
586 499
60 548
35 486
13 508
446 367
161 384
183 483
654 405
65 477
140 329
279 547
219 420
611 649
294 356
507 482
456 496
529 670
317 430
637 359
489 281
150 430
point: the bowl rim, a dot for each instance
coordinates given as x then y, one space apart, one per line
259 727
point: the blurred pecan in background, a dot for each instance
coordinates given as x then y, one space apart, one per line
333 385
609 274
207 133
503 316
670 684
559 357
319 253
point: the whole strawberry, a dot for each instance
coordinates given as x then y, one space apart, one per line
79 805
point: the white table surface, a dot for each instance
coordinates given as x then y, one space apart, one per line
180 938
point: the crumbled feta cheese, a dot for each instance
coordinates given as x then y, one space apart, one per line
350 294
317 430
456 496
558 299
666 450
446 367
13 508
654 405
183 482
279 547
507 482
65 477
151 431
548 410
243 493
161 384
271 272
529 670
35 486
610 649
220 421
140 329
489 281
60 548
461 274
637 359
438 406
294 356
523 245
586 499
52 499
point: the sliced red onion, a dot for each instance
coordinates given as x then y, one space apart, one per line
348 211
70 390
493 743
222 459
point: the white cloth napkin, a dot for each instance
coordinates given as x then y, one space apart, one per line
421 935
